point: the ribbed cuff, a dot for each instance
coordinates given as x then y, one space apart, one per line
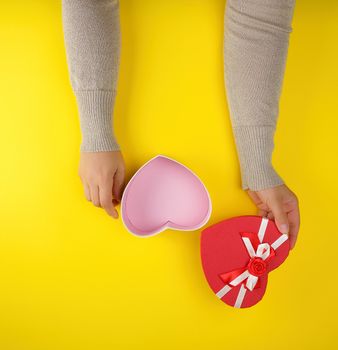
255 145
95 111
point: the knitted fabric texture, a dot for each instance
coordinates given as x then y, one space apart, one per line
256 40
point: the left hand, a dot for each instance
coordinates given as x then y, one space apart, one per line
279 203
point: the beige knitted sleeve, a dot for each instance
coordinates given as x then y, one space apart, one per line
256 38
92 40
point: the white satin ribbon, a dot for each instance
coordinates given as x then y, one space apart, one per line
263 251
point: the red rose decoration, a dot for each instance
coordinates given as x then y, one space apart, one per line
257 266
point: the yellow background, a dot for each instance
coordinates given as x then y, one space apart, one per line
71 277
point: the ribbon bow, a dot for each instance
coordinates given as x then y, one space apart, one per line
260 253
256 266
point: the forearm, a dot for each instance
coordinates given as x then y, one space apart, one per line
92 41
256 40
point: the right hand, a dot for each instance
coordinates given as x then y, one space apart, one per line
280 204
102 175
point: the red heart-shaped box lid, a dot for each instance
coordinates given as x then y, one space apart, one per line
225 255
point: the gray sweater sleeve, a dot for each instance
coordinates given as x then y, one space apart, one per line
256 41
92 41
256 38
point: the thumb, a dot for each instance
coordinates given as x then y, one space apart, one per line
281 218
118 184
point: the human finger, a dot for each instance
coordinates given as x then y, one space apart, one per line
86 191
106 198
94 195
294 220
118 184
280 215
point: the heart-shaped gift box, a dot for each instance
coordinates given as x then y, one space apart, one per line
238 253
163 194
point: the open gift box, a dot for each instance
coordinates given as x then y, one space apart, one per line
163 194
237 253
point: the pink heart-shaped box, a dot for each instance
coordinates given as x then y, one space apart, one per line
163 194
229 254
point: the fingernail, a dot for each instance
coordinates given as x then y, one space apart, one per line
284 228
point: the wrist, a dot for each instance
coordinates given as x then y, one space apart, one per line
95 112
255 145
